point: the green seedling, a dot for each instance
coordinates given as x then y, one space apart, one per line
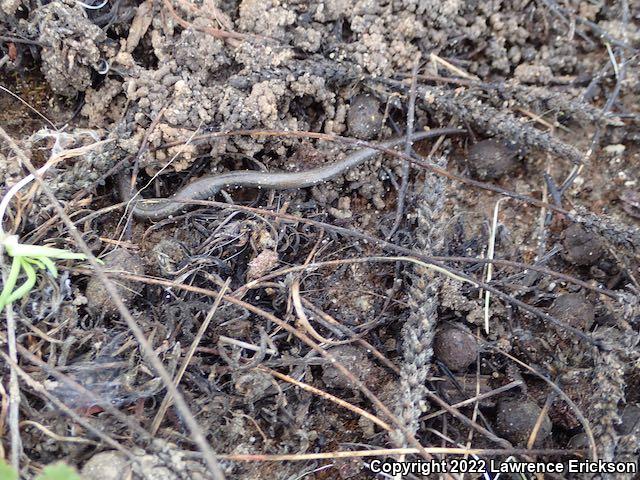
28 259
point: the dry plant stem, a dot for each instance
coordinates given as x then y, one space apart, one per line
477 398
147 349
14 387
55 436
328 396
394 451
302 316
167 400
14 392
409 252
557 9
215 32
18 97
418 330
543 413
39 388
464 419
491 120
308 341
404 186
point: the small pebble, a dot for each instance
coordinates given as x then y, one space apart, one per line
364 118
579 441
515 421
110 465
355 360
581 247
629 420
574 309
98 299
491 159
456 348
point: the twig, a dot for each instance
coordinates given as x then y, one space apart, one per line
490 255
466 420
477 398
408 147
452 68
300 335
28 105
304 457
55 436
14 389
557 9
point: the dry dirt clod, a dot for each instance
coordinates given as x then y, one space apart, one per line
455 348
516 419
491 159
110 465
98 299
262 264
574 309
355 360
581 247
364 118
629 420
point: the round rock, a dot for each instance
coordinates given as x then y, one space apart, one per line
364 118
515 421
355 360
456 348
98 299
581 247
629 420
574 309
111 465
491 159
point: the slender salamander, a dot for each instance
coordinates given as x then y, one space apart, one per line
208 186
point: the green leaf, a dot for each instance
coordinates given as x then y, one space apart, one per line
58 471
26 250
28 284
16 266
7 472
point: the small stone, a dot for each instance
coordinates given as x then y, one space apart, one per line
355 360
629 420
579 442
364 118
99 300
533 74
581 247
456 348
262 264
516 419
574 309
491 159
110 465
